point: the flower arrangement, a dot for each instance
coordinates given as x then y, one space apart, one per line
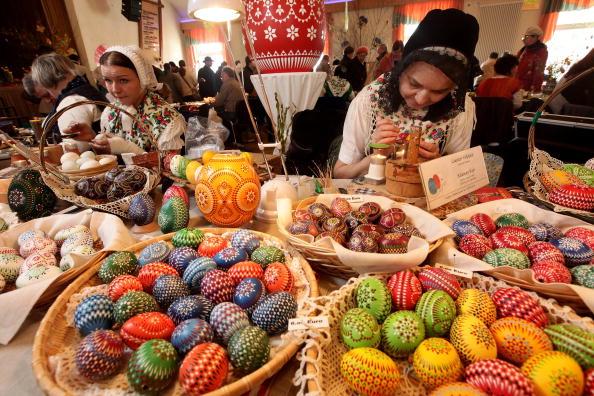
556 70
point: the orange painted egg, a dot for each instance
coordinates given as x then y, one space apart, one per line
436 362
245 269
472 339
554 373
457 389
123 284
518 339
278 277
146 326
370 372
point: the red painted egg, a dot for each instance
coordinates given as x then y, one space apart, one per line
150 272
392 217
583 234
438 279
475 245
589 382
204 369
393 243
373 230
146 326
123 284
100 355
508 240
518 303
176 191
484 222
405 289
544 251
278 277
245 269
497 377
217 286
573 196
372 210
520 232
302 215
340 207
211 245
551 272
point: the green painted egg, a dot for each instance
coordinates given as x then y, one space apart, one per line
178 166
265 255
574 341
248 349
507 257
190 237
368 371
436 362
586 174
374 296
132 304
472 339
173 215
583 275
116 264
10 265
29 197
401 333
152 366
437 310
512 219
358 328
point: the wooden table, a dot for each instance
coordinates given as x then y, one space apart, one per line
12 96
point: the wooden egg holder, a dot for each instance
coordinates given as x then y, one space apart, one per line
402 175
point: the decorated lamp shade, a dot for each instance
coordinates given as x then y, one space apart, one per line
288 35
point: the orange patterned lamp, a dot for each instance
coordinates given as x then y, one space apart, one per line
228 190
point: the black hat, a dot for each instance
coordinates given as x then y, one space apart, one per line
208 58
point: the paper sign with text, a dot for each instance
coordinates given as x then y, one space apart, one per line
455 271
452 176
317 322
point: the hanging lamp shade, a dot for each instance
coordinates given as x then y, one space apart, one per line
215 10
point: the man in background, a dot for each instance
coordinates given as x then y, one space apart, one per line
206 79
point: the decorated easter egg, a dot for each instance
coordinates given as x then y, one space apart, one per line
245 239
117 263
37 259
204 369
372 210
436 362
229 256
373 230
146 326
190 307
374 296
168 288
304 227
524 235
190 237
155 252
362 243
195 272
93 313
2 283
152 366
149 273
475 245
178 165
496 377
554 373
354 218
119 189
111 174
173 215
121 285
278 277
302 215
100 355
265 255
472 339
507 257
518 303
191 169
25 236
478 303
29 197
142 209
583 275
405 290
551 272
133 177
94 187
392 218
589 382
217 286
393 242
8 250
556 178
335 224
337 236
407 229
273 313
364 369
583 234
465 227
437 309
318 210
518 339
248 349
133 303
574 196
73 241
585 174
401 333
37 244
506 240
340 207
226 318
248 293
245 269
575 251
484 222
37 274
438 279
574 341
176 191
190 333
545 231
358 328
211 245
512 219
544 251
180 258
10 265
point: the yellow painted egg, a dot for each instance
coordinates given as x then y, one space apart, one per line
518 339
554 373
207 155
472 339
370 372
457 389
478 303
191 171
436 362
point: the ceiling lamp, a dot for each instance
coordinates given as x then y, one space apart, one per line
215 10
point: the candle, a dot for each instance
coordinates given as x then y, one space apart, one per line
377 168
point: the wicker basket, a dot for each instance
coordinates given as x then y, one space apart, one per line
55 335
62 184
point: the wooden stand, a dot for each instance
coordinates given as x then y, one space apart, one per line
402 175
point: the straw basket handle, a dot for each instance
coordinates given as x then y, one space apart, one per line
54 118
557 91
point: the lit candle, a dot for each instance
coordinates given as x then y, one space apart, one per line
377 168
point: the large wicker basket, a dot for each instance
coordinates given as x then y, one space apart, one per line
55 335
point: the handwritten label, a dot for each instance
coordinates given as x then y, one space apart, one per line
456 271
502 209
354 199
317 322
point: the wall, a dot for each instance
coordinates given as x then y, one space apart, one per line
172 35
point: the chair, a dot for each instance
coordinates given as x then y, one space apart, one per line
494 122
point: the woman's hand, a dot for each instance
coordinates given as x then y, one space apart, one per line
428 151
83 131
385 132
101 146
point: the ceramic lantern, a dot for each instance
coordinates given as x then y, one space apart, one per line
288 35
228 190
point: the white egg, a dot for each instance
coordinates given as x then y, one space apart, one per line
69 166
88 154
68 157
80 161
89 164
106 160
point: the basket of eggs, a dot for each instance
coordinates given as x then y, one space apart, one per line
95 181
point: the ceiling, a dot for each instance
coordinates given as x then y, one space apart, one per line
181 6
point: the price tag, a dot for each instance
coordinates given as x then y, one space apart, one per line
317 322
353 199
456 271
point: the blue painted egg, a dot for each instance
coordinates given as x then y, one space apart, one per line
575 251
142 209
93 313
226 318
190 333
545 231
168 288
246 240
229 256
273 313
100 355
464 227
180 258
190 307
195 272
249 293
158 251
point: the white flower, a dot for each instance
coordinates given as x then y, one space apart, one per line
292 32
279 10
253 34
311 33
270 33
302 10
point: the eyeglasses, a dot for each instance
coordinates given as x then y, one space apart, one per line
529 35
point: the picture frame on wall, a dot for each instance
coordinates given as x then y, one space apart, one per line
150 31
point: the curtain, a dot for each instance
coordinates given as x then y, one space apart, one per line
202 32
415 12
327 37
551 9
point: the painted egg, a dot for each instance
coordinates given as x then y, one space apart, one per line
544 251
438 279
465 227
191 169
393 243
167 160
25 236
158 251
152 366
29 197
111 174
472 339
573 196
354 218
437 309
407 229
401 333
484 222
246 269
100 355
204 369
230 256
191 237
335 224
551 272
246 240
94 187
589 382
554 373
373 230
265 255
146 326
168 288
583 275
512 219
405 289
10 265
173 215
217 286
372 210
180 258
142 209
368 371
2 283
505 240
133 303
358 328
178 165
119 190
37 274
8 250
302 215
211 245
73 241
318 210
478 303
518 303
340 207
475 245
392 218
574 341
248 293
517 339
226 318
507 257
37 259
458 389
176 191
337 236
497 377
436 362
273 313
248 349
362 243
278 277
304 227
557 178
583 234
37 244
150 272
190 307
134 177
93 313
121 285
575 251
196 270
118 263
190 333
522 234
374 296
545 231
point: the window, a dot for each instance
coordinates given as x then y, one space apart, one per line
215 50
409 29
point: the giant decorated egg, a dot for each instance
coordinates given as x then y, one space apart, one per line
401 333
496 377
93 313
265 255
190 333
133 303
229 256
211 245
436 362
518 339
190 307
204 369
478 303
100 355
168 288
195 272
554 373
146 326
190 237
405 289
484 222
10 265
246 240
278 277
245 269
226 318
176 191
507 257
475 245
228 190
575 251
358 328
373 295
512 219
248 349
152 366
150 272
273 313
518 303
142 209
217 286
472 339
155 252
437 309
173 215
574 341
118 263
29 197
248 293
433 278
181 257
123 284
368 371
37 274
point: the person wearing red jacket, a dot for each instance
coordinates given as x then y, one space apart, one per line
533 59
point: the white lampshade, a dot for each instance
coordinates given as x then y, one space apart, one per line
215 10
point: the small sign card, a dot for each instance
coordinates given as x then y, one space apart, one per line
455 271
452 176
317 322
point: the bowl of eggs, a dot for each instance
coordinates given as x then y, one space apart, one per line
86 164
